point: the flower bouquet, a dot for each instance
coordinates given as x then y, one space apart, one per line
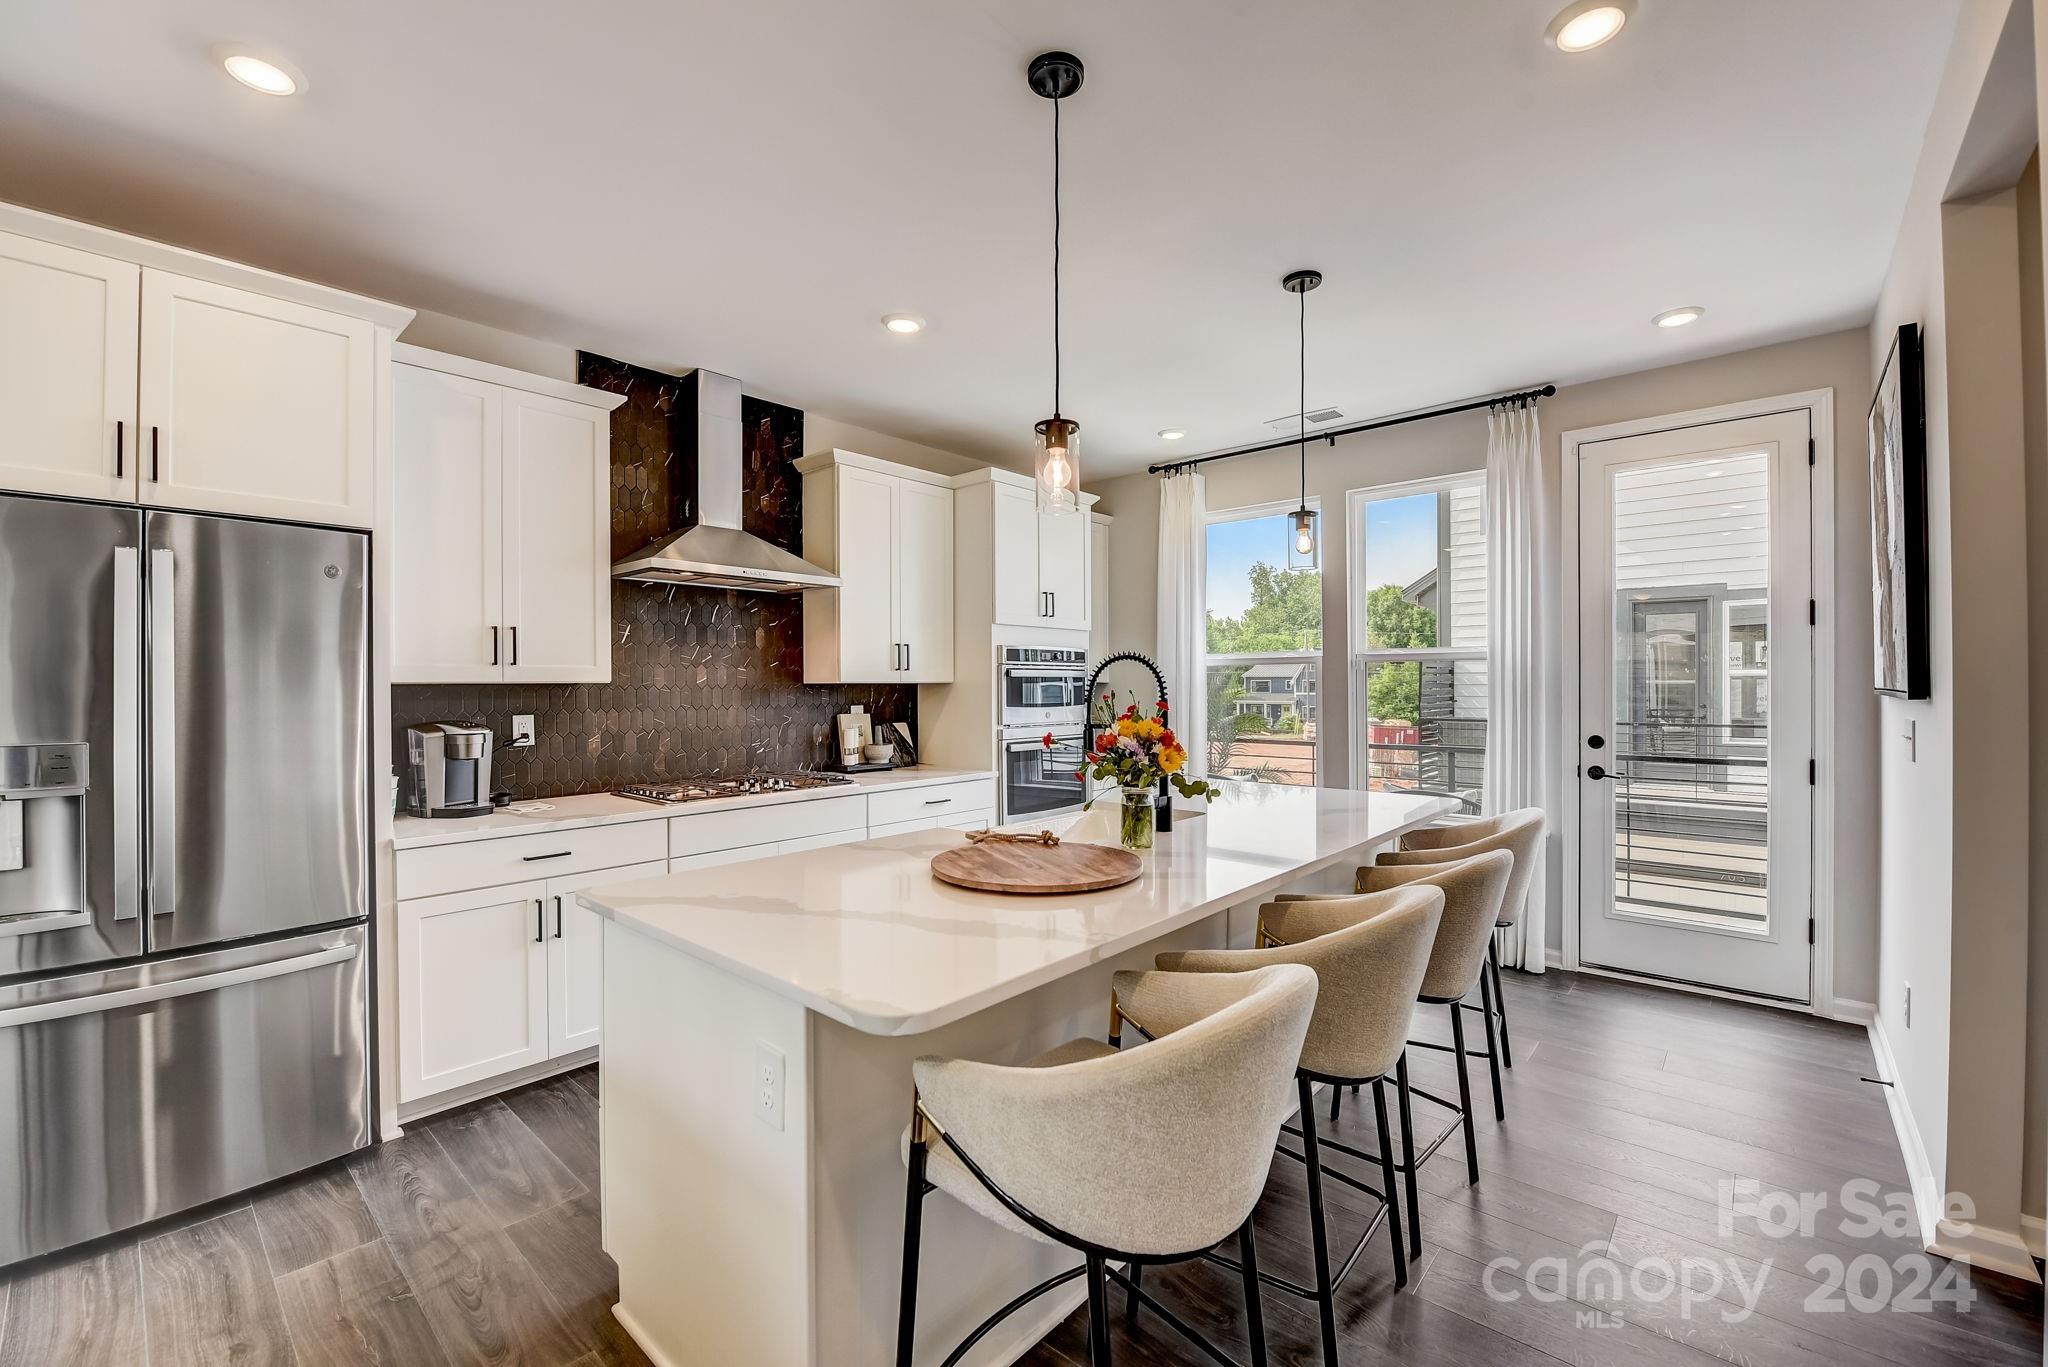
1137 752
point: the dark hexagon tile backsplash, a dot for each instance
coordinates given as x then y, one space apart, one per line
704 681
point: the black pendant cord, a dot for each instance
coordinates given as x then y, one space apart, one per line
1055 258
1301 297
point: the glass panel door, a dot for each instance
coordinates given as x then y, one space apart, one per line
1695 800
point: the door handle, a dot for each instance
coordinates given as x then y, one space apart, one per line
515 647
494 645
906 657
99 1002
540 920
163 732
120 444
1053 600
127 732
1594 771
558 917
152 454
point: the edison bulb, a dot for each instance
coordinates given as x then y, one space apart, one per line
1304 541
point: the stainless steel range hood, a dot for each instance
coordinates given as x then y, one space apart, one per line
712 550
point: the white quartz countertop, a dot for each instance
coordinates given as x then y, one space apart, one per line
866 935
603 809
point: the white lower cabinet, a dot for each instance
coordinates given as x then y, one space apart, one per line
576 959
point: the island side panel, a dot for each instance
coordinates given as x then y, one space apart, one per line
860 1106
706 1209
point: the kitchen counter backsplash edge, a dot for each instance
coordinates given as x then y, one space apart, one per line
605 809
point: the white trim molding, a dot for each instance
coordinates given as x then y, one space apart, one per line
1820 406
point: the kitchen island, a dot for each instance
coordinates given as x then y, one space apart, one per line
760 1022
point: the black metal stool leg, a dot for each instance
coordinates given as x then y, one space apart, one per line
1254 1310
1408 1154
1500 1002
1098 1312
1325 1296
1336 1101
1486 1000
1131 1302
913 1229
1387 1183
1465 1095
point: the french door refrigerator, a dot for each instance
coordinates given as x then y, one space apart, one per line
184 861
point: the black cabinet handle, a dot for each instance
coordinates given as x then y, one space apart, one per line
938 802
906 657
536 858
494 645
152 454
120 445
558 918
515 646
540 920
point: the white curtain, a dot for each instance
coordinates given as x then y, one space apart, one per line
1183 581
1522 662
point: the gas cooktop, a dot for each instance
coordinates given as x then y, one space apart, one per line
704 789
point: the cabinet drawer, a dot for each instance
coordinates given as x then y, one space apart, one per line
707 831
953 821
891 805
486 863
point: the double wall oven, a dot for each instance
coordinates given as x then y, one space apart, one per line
1044 692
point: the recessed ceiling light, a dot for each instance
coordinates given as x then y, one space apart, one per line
1586 24
1171 434
268 75
903 324
1678 318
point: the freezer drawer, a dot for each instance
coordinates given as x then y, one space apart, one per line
148 1089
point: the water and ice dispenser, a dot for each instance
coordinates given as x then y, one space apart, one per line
42 834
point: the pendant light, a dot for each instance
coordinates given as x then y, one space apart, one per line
1298 284
1054 76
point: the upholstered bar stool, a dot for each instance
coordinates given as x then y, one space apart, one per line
1520 833
1472 889
1149 1156
1369 970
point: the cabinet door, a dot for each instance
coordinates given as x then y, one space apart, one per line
576 958
1018 601
68 322
447 529
869 534
255 406
558 580
1063 567
1099 635
924 580
472 987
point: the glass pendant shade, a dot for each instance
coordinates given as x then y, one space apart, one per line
1305 531
1059 465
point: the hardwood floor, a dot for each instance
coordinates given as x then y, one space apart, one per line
474 1239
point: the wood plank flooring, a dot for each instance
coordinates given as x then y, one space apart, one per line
474 1239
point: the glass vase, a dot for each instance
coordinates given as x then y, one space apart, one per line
1135 830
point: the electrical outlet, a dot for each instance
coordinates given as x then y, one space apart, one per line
769 1070
522 731
1909 1006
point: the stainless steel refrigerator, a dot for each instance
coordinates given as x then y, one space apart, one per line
184 861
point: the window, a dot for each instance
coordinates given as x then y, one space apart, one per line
1418 623
1265 643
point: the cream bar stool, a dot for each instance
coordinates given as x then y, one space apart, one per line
1151 1156
1520 833
1369 971
1472 889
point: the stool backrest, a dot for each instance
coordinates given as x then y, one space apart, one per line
1519 832
1369 973
1473 888
1162 1148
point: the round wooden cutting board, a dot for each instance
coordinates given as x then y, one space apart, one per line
1008 866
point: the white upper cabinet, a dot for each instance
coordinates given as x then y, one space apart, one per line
558 584
501 525
887 531
1041 559
255 405
68 328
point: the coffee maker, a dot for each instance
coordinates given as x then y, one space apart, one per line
448 769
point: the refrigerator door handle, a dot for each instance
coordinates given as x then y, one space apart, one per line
127 733
93 1003
163 733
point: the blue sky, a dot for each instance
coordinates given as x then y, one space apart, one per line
1400 537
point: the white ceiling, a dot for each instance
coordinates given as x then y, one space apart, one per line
751 186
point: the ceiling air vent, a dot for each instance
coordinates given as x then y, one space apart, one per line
1317 417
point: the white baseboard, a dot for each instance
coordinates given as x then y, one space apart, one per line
2034 1230
1996 1250
1849 1010
1554 958
490 1086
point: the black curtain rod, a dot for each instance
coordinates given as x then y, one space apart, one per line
1519 396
